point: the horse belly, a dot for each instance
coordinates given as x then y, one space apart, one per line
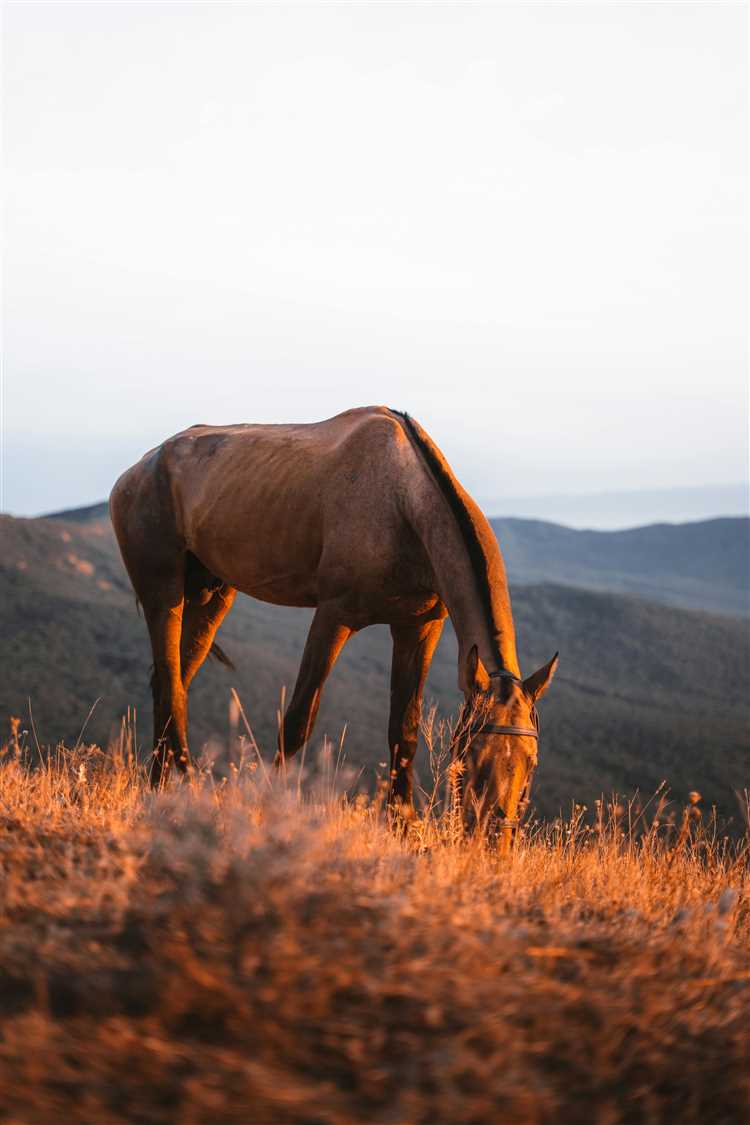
262 555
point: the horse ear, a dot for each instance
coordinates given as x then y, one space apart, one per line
476 673
537 683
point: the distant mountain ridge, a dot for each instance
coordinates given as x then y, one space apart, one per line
645 692
88 514
615 509
702 565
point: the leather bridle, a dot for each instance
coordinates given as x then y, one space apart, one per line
495 728
523 732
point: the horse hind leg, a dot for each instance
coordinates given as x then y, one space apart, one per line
164 619
207 602
145 524
182 628
159 584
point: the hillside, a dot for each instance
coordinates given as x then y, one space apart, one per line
645 692
703 565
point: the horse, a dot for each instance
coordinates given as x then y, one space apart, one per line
361 518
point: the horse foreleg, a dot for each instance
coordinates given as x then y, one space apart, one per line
413 648
325 641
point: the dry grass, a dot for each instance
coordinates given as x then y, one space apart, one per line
242 952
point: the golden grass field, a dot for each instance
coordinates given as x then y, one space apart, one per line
249 950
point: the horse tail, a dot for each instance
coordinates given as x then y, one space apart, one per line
218 654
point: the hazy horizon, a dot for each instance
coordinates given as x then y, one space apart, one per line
527 226
620 510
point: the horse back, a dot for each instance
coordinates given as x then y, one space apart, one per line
281 511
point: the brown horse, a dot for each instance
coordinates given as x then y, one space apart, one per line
361 517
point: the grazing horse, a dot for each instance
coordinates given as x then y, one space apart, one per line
361 517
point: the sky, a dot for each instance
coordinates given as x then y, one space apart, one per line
525 225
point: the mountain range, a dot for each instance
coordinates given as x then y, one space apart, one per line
614 508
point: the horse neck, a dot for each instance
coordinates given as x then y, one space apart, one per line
479 605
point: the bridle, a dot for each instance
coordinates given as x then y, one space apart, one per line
523 732
494 728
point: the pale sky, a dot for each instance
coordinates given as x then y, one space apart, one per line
526 225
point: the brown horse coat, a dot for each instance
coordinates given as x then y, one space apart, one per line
359 516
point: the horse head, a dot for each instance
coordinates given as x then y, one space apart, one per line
498 744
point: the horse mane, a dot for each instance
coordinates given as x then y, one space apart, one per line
454 494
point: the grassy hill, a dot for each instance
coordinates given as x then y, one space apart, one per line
247 953
645 692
